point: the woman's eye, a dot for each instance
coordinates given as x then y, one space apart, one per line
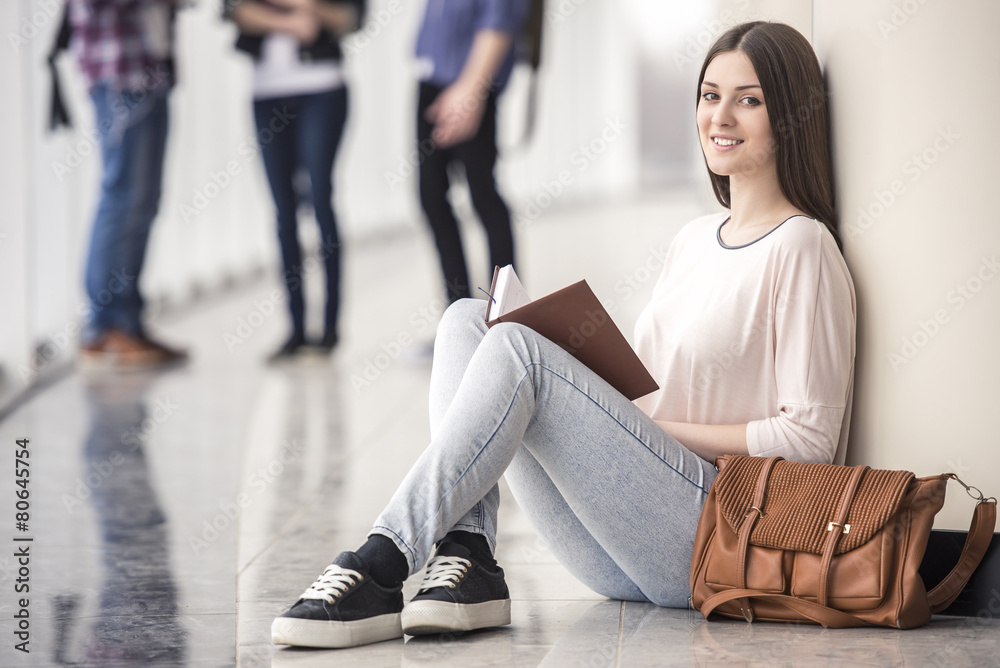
751 101
709 96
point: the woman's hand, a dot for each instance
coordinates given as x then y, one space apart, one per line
339 18
302 19
304 26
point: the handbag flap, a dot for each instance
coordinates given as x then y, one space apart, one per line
802 499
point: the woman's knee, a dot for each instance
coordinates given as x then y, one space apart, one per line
463 311
463 317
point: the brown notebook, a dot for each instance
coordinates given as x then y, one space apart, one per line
575 319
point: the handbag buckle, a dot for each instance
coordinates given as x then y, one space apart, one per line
845 527
969 489
760 513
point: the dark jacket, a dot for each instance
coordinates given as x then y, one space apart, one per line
326 46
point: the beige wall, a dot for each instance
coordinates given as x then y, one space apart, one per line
914 91
914 97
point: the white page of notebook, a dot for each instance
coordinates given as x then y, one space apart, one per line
508 294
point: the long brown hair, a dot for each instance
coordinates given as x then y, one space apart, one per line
795 94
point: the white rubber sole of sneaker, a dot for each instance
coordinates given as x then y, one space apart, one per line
423 617
318 633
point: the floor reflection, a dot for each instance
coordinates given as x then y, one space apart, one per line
137 619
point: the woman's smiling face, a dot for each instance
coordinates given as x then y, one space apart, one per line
733 126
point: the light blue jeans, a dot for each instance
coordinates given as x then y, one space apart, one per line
616 498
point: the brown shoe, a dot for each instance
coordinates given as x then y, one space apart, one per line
172 354
119 351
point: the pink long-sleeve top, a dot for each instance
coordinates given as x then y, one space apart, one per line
762 334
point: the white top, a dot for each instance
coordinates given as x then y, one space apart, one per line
760 334
280 73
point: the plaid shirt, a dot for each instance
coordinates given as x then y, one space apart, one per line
112 42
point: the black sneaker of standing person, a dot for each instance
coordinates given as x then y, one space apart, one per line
289 350
326 345
457 594
345 607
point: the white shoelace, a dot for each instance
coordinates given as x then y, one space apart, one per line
444 572
334 581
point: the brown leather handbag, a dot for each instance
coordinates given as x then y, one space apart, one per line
835 545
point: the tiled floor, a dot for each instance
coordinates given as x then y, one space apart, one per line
175 514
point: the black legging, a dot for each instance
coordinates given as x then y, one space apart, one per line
479 156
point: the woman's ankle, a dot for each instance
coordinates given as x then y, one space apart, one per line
388 566
477 544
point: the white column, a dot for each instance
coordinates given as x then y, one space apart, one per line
914 93
14 242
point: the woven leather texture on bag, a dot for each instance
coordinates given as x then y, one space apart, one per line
801 500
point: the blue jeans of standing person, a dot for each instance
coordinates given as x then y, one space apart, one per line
132 130
304 131
616 498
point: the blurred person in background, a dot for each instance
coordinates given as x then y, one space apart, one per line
300 108
125 51
465 56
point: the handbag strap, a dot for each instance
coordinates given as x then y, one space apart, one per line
980 534
820 614
749 521
837 528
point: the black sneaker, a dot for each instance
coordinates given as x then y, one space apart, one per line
288 351
457 594
326 345
343 608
